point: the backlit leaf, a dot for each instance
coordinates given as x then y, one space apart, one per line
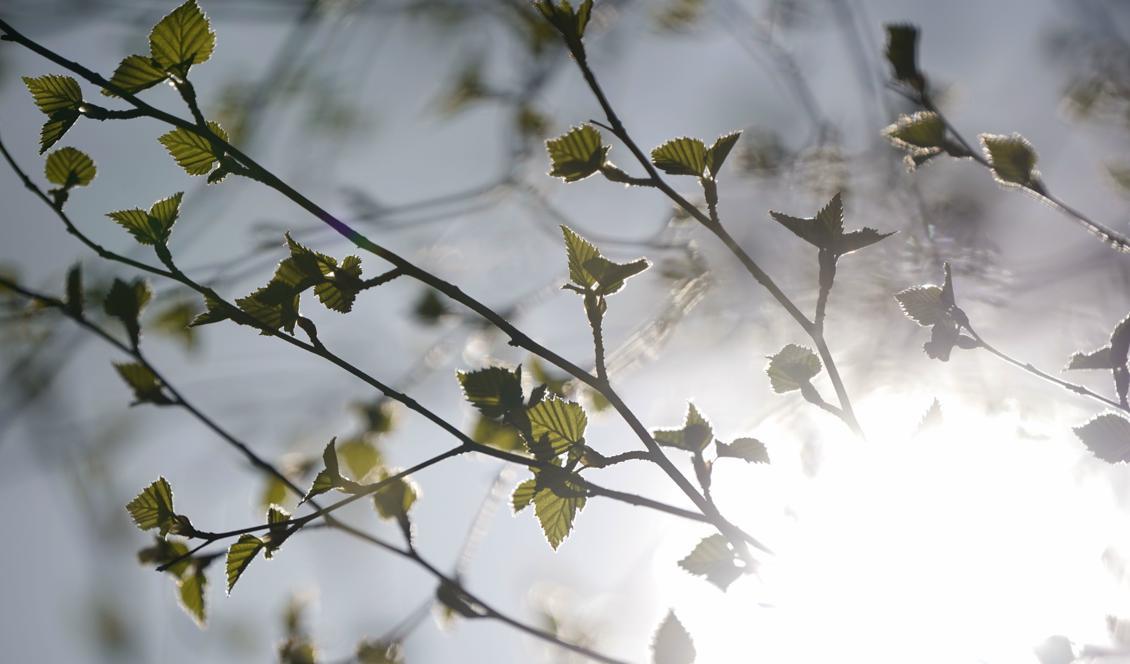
240 556
1012 159
672 644
181 39
792 366
329 477
560 422
1096 359
68 167
153 507
681 156
750 450
145 385
716 155
54 129
495 391
1107 437
497 435
150 227
134 74
576 154
580 251
902 54
125 302
53 93
394 499
193 152
556 503
923 304
588 270
278 520
695 435
523 495
360 457
190 590
714 559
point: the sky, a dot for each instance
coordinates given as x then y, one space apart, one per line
886 547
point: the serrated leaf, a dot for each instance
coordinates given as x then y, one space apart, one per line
395 499
681 156
240 556
571 23
1095 359
278 522
932 419
902 54
68 167
145 385
193 152
190 590
672 644
495 391
125 302
329 477
53 93
714 559
164 552
181 39
561 423
1107 436
695 435
134 74
274 306
339 292
360 456
716 155
523 495
577 154
54 129
153 507
556 503
150 227
921 132
610 276
923 304
750 450
826 229
791 367
1012 159
214 312
580 251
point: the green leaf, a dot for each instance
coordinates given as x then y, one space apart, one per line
395 499
190 590
68 167
193 152
1012 159
1096 359
826 229
153 227
569 22
275 492
360 457
791 367
588 270
379 652
523 495
922 130
716 155
125 302
181 39
175 321
54 93
580 252
240 556
695 435
54 129
1107 436
560 496
576 154
275 306
497 435
153 508
560 422
342 286
214 312
672 643
923 304
750 450
681 156
329 477
902 53
495 391
714 559
277 520
164 552
145 385
134 74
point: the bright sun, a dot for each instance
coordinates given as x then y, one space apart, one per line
969 543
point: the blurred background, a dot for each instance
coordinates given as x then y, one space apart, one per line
422 122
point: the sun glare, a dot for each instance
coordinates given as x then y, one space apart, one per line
972 542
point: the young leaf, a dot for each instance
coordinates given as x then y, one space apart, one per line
495 391
240 556
53 93
394 499
561 423
193 152
750 450
214 312
75 301
164 552
190 590
125 302
1096 359
576 154
902 54
791 367
695 435
610 276
277 519
569 22
134 74
342 285
589 271
146 388
68 167
922 135
716 155
153 227
923 304
558 500
1107 436
497 435
360 457
54 129
580 251
672 643
181 39
153 507
826 229
681 156
274 306
523 495
1012 159
329 477
714 559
